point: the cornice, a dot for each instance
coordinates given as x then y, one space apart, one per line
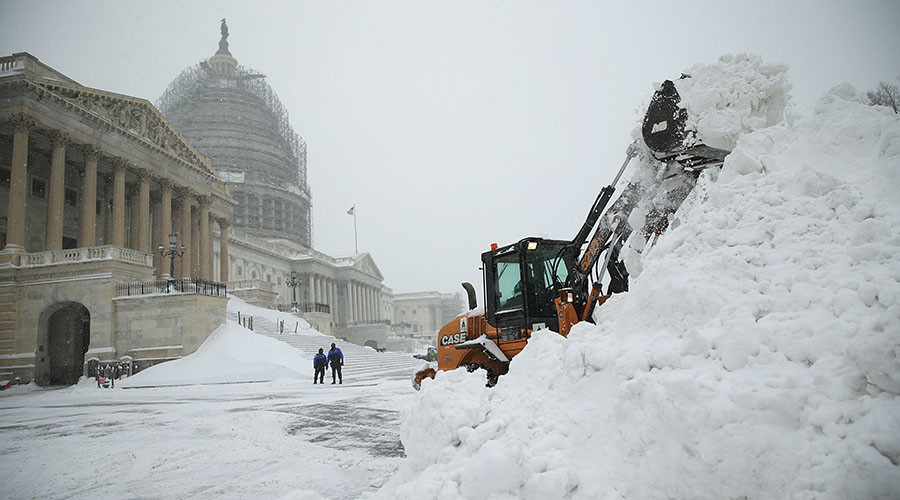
134 118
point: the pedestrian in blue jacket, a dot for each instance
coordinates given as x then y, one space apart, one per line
336 358
320 362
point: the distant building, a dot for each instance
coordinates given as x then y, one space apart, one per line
420 315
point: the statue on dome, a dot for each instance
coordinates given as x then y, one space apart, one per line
223 43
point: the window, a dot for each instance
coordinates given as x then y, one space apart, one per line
543 268
238 271
509 284
69 243
5 174
38 188
71 197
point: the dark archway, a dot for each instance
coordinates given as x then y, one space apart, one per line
68 338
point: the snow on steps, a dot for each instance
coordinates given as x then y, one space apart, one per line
359 362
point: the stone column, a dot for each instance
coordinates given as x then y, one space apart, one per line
155 213
143 211
118 211
87 223
357 302
18 182
193 263
203 243
331 302
312 288
223 250
210 254
165 223
183 265
56 192
350 316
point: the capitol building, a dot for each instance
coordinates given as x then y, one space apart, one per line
126 225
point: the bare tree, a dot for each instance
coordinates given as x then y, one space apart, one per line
885 94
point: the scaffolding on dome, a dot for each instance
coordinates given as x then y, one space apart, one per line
196 77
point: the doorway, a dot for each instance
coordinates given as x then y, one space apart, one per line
68 338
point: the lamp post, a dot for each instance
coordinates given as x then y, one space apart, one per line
172 252
294 283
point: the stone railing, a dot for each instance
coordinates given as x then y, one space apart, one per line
195 286
305 307
87 254
250 284
10 63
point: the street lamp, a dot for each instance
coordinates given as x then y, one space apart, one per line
172 252
294 283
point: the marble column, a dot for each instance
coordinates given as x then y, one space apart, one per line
143 212
184 216
18 182
312 288
193 263
350 314
155 213
203 243
165 223
131 208
210 254
56 192
223 250
118 209
87 223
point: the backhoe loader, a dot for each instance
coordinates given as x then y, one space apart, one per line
539 283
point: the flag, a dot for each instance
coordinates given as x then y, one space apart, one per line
351 211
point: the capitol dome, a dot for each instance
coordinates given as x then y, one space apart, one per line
229 113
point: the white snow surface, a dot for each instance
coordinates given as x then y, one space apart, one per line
736 95
756 355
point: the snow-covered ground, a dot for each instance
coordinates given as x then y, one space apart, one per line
187 429
756 356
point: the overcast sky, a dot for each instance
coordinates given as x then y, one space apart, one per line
452 125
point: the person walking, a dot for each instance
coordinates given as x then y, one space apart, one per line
320 362
336 358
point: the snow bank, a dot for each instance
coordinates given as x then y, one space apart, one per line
757 355
230 354
735 96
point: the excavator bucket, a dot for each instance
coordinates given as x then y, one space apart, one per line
663 127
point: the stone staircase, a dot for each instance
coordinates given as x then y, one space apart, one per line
360 363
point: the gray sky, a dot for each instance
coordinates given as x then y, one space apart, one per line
452 125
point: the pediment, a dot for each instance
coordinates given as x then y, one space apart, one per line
365 264
136 117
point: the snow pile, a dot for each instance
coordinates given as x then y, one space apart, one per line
756 356
735 96
236 304
230 354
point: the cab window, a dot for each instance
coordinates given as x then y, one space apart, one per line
509 285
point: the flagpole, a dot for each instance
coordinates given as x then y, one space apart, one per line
355 240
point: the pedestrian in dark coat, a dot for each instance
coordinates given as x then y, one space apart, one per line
320 362
336 358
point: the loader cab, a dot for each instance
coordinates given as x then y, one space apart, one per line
520 282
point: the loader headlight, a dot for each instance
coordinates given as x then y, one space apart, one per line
532 245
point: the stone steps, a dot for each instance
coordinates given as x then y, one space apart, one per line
359 362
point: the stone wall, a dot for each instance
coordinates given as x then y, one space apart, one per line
154 328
